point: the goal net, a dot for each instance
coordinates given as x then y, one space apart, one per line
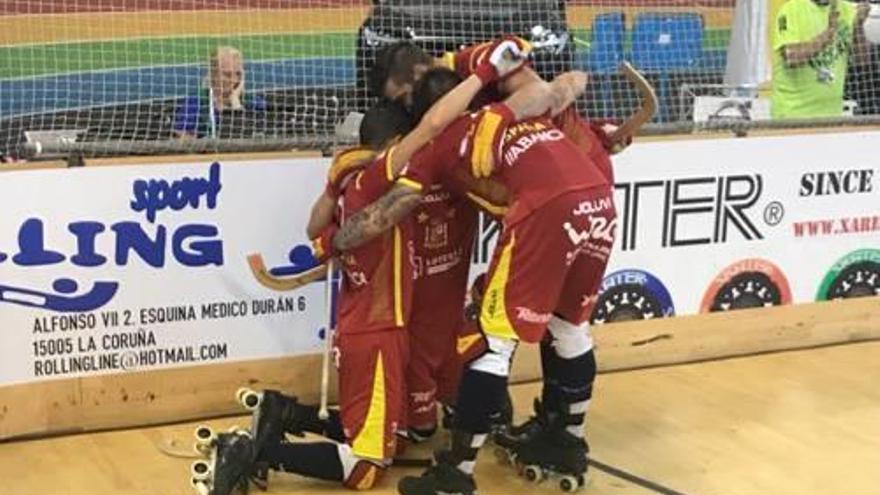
139 71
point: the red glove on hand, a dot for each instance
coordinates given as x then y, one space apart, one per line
322 246
486 137
502 59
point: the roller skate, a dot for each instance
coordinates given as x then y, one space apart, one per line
545 449
515 434
274 414
443 477
229 463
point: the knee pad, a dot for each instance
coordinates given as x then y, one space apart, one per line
498 357
359 473
570 340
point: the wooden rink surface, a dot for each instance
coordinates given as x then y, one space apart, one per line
796 422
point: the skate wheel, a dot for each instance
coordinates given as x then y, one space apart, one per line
533 473
200 486
570 483
204 435
201 471
239 393
251 400
248 398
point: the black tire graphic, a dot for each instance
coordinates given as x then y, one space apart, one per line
856 280
626 302
747 290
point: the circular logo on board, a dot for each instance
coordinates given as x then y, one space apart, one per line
628 295
855 275
748 283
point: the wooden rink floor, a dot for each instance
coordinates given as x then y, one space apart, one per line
798 422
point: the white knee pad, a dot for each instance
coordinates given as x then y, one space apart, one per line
570 340
497 358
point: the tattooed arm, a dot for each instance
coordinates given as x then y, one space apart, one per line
381 215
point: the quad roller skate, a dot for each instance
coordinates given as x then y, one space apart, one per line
541 448
273 416
514 434
228 465
274 413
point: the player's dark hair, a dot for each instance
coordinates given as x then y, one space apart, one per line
396 61
430 88
384 121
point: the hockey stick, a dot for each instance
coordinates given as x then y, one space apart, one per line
323 413
266 279
644 114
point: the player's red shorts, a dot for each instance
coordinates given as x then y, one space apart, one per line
550 262
435 368
372 400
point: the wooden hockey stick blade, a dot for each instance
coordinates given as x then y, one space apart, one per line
266 279
647 110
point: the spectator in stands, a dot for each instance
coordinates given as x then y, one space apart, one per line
199 116
812 44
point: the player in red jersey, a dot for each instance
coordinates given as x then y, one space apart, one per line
546 270
435 366
371 345
401 65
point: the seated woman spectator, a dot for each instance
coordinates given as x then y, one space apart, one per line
199 116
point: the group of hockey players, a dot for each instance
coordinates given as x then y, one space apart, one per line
476 130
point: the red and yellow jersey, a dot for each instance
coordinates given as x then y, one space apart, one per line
344 164
445 225
377 287
537 163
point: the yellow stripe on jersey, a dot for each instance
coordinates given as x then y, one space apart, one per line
368 480
465 342
493 313
398 277
483 153
498 211
348 159
389 172
370 441
409 183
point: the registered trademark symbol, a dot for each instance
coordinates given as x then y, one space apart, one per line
773 213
